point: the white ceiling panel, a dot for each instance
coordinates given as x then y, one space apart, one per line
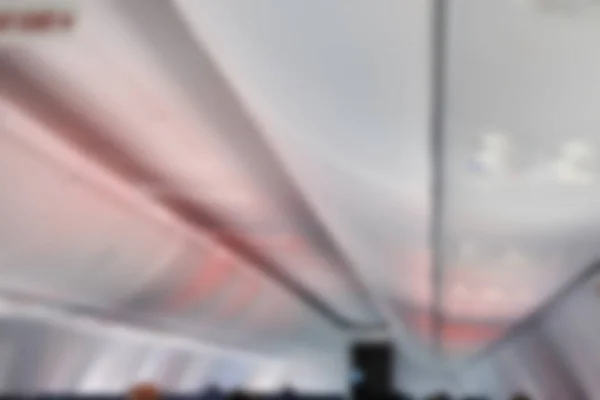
522 169
62 232
303 129
133 97
74 235
345 104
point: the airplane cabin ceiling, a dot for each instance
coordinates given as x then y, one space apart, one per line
266 167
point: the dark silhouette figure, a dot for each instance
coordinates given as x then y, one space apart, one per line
404 396
239 396
440 396
212 392
288 394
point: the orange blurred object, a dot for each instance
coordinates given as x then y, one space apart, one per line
144 391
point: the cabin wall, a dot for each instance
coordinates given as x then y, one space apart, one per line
555 357
42 354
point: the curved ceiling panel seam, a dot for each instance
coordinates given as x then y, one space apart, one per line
102 180
38 98
521 326
312 301
194 238
99 325
275 169
163 262
103 189
324 221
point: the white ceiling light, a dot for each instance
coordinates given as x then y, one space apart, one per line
574 165
493 157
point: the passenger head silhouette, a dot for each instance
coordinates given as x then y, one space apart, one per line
288 393
521 396
144 391
440 396
212 392
239 396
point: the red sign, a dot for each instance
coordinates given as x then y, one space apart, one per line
35 21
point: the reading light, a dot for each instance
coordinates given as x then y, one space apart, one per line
493 155
573 166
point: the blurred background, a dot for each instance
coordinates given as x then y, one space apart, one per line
197 192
